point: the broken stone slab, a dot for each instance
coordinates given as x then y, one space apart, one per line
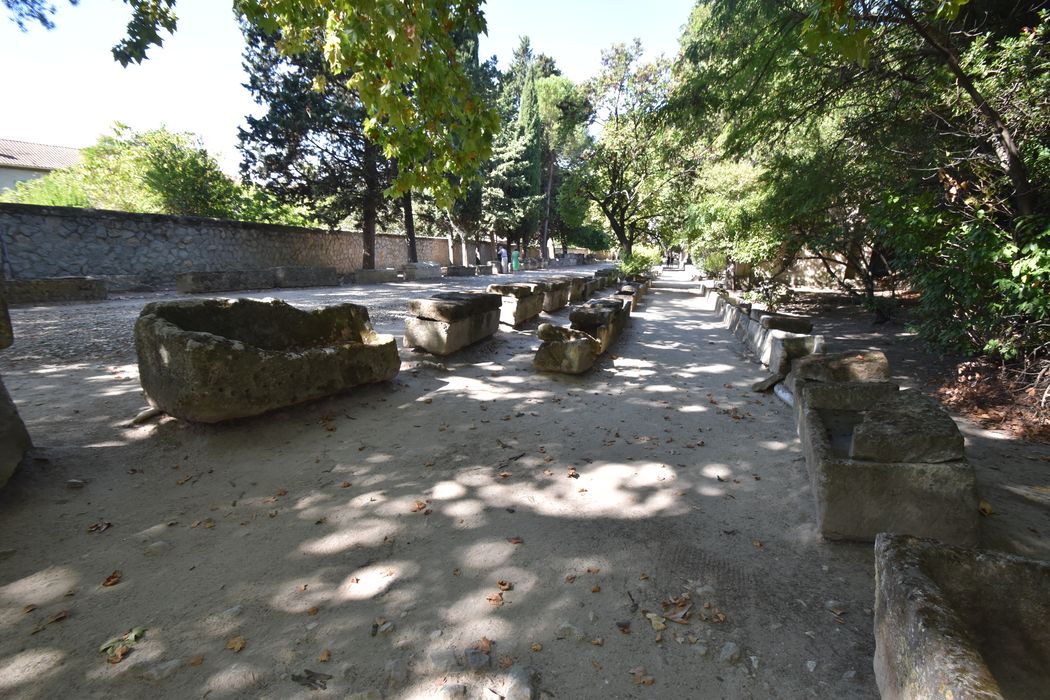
857 499
379 275
870 366
557 294
420 271
778 349
46 290
784 322
629 294
521 302
450 321
959 623
205 282
565 350
212 360
298 277
14 438
908 427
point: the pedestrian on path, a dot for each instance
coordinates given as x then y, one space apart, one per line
503 259
516 258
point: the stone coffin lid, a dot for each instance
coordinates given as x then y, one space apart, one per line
552 333
454 306
517 289
843 367
907 427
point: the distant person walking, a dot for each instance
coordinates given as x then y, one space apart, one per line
503 259
515 258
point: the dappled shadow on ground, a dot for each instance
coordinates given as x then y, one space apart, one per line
304 531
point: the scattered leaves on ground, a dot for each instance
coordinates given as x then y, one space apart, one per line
483 645
505 661
117 648
516 540
536 646
100 526
312 611
624 626
504 585
113 579
596 589
571 578
495 599
641 677
236 644
56 617
572 473
593 569
197 660
985 508
325 656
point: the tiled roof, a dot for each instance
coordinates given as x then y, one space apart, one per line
36 156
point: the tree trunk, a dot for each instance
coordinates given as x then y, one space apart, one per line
547 214
410 227
373 198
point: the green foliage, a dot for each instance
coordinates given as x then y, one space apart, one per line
61 188
641 261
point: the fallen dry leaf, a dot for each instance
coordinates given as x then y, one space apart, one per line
536 646
455 572
515 540
985 508
596 589
28 609
483 645
113 579
325 656
235 644
419 505
504 585
505 475
641 677
312 611
598 642
593 569
197 660
100 526
572 473
758 544
495 599
597 666
643 577
505 661
624 626
571 578
345 485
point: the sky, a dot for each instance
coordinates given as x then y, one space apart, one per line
62 87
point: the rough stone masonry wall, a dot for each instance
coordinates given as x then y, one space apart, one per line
134 250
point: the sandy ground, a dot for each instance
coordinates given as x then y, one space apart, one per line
365 537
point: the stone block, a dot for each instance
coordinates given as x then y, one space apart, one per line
778 349
959 623
521 302
449 321
870 366
565 350
291 277
783 322
421 271
14 439
47 290
461 271
379 275
857 499
591 287
907 427
212 360
205 282
557 294
627 294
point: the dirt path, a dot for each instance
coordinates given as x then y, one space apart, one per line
372 530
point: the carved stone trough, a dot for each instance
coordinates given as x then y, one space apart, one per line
522 301
449 321
211 360
959 623
565 350
884 460
602 319
556 295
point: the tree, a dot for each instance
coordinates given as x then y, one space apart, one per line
309 147
401 60
627 171
507 196
562 115
529 132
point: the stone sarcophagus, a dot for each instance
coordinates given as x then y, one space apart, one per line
522 301
565 350
211 360
449 321
557 294
602 319
953 623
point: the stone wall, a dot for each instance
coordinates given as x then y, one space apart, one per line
131 251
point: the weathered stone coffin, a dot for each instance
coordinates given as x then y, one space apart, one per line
556 295
54 289
565 350
212 360
871 366
296 277
602 319
629 295
521 301
420 271
449 321
205 282
883 460
592 286
953 623
378 276
577 290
